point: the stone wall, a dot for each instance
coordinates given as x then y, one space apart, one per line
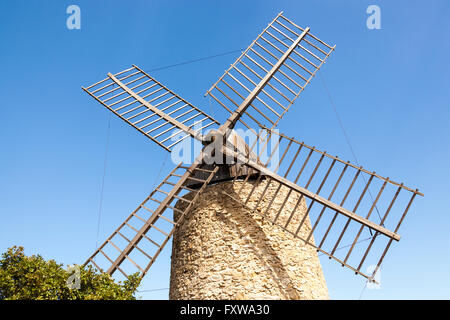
224 251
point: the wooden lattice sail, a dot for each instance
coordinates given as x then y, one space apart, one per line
345 203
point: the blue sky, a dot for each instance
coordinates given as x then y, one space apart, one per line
390 87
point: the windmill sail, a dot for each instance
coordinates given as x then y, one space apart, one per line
271 73
137 242
342 208
150 107
257 90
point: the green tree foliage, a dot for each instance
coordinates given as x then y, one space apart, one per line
31 277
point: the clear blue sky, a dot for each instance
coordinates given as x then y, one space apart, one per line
390 86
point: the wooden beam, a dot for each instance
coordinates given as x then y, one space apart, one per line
231 121
140 234
163 115
312 195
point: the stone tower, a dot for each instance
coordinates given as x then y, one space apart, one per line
224 251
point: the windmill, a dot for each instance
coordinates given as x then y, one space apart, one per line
330 206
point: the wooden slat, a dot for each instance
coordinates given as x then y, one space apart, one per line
312 195
156 110
231 121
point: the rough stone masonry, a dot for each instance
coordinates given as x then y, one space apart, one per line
222 250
